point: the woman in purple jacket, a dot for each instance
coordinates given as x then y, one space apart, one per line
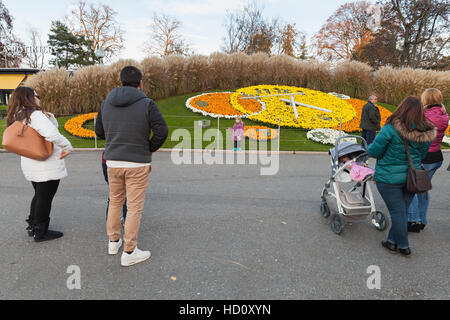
435 112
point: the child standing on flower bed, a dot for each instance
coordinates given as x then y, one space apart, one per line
238 133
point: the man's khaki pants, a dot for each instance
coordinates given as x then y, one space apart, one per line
130 184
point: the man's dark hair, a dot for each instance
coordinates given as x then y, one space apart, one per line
130 77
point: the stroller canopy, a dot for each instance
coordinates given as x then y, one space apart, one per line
347 148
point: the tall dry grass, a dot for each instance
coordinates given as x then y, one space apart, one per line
84 91
155 78
354 79
393 85
54 89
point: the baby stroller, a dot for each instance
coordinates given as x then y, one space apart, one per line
357 202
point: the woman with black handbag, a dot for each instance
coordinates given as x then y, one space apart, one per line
24 106
407 122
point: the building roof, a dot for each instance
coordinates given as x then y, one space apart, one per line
18 71
11 78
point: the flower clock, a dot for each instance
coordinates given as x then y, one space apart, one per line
265 104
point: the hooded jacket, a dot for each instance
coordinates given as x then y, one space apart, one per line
439 118
389 150
126 120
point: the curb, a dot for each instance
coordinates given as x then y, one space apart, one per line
311 153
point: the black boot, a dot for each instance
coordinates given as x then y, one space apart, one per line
41 232
30 227
413 227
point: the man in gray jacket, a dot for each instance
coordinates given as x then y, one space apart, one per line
126 120
370 120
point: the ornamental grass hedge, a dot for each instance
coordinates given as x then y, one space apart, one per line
82 91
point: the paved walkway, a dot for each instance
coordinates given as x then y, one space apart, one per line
215 232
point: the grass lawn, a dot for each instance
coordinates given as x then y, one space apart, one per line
178 116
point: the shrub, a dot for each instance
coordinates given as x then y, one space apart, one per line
393 85
54 89
354 79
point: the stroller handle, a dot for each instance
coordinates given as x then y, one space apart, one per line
336 144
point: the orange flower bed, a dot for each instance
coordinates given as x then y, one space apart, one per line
218 104
353 125
251 105
448 131
74 126
260 133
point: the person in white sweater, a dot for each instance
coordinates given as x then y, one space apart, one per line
24 106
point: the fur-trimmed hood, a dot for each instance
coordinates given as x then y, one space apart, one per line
415 135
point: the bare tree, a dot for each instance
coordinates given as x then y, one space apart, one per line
413 33
291 42
166 38
424 30
12 50
344 32
97 24
249 32
35 52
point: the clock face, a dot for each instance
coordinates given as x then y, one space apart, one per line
253 103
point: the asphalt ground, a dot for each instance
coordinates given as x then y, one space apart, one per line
216 232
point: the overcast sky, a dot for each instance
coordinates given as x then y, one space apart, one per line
202 20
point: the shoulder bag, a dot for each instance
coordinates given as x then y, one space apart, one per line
23 140
418 180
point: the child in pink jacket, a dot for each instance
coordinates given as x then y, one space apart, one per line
238 133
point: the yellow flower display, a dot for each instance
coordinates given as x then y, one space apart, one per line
74 126
277 110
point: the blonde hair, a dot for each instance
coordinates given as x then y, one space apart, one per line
432 96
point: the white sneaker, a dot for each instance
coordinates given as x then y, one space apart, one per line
113 247
135 257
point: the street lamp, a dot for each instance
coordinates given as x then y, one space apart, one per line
101 53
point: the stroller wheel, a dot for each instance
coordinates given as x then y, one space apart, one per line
324 209
337 224
379 220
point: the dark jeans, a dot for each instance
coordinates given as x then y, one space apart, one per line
368 135
124 209
41 204
397 200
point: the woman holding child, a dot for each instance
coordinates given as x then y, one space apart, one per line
407 122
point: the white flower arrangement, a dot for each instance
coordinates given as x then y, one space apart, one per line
339 95
446 140
327 136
